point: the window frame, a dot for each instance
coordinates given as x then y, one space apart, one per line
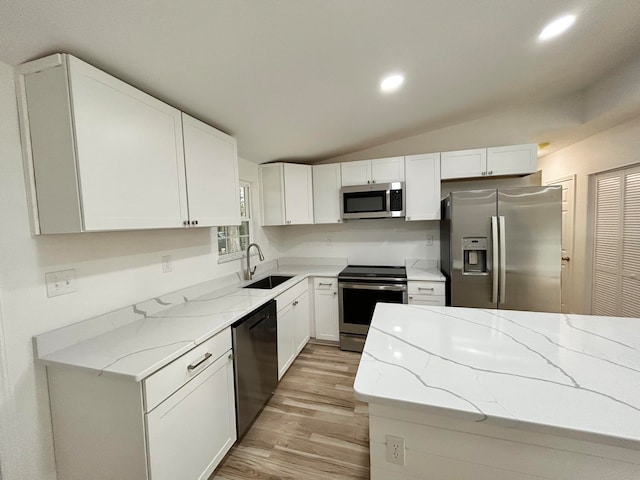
228 257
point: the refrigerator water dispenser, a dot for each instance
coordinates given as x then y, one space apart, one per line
474 250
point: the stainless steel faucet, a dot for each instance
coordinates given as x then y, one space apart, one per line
260 255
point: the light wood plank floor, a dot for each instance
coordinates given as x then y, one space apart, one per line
312 428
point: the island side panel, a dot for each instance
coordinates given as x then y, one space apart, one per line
441 447
98 426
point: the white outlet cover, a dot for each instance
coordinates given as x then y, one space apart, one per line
60 283
166 264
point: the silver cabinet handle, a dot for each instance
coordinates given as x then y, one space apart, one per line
431 289
295 303
186 222
327 284
566 259
495 253
503 261
484 173
193 366
335 293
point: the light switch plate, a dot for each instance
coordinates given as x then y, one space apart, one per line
60 283
166 264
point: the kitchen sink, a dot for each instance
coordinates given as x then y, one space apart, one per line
267 283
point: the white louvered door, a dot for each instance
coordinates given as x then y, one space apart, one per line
616 265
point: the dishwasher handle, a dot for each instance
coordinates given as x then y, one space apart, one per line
255 324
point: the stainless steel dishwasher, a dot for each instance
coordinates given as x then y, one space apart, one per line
255 362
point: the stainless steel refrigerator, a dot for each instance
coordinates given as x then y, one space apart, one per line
502 248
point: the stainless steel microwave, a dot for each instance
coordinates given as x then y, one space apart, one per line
376 200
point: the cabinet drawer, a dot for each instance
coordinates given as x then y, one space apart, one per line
285 298
434 300
325 283
426 288
170 378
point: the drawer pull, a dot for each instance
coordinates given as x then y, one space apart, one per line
193 366
325 284
430 289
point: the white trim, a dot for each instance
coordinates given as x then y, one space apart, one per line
228 257
572 261
6 399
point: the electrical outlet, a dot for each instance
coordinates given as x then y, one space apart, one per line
429 241
166 264
395 450
60 283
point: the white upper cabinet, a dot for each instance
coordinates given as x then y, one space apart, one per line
104 155
379 170
326 193
464 163
422 187
486 162
287 194
211 163
512 160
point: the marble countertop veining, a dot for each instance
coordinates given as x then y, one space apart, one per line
571 375
160 330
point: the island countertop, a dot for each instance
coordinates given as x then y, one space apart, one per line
572 375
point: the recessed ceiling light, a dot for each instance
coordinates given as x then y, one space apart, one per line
391 82
557 27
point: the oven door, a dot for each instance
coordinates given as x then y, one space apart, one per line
358 300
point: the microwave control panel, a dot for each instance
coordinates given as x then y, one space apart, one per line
395 200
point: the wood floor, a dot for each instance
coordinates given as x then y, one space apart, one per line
313 428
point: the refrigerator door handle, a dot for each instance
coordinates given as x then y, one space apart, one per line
495 256
503 261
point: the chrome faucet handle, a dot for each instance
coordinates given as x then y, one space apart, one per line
253 270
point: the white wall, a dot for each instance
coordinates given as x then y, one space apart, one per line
113 270
613 148
372 242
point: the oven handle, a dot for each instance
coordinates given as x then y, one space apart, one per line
372 286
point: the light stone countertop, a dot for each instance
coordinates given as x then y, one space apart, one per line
572 375
136 341
424 270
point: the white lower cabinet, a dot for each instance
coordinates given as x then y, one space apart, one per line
294 325
177 423
426 293
325 296
190 432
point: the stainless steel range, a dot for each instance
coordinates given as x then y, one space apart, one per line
360 287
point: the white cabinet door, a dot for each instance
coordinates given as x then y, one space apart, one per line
422 187
190 432
463 164
387 170
271 179
298 192
212 174
302 328
379 170
326 314
326 193
286 347
512 160
286 191
433 301
356 173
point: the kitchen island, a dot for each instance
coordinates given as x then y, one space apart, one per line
490 394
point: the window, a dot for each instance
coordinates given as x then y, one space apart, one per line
233 240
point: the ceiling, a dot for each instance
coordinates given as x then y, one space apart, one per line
298 79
